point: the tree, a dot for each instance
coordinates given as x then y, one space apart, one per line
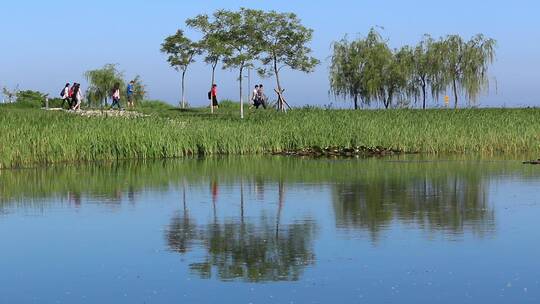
181 52
383 77
211 43
347 70
139 89
479 55
285 42
10 94
467 64
396 68
427 67
101 82
241 36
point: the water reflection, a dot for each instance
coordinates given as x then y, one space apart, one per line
451 202
253 249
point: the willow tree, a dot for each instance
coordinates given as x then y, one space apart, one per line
139 89
181 53
467 63
396 71
101 82
242 39
347 70
427 69
211 43
285 42
381 73
479 55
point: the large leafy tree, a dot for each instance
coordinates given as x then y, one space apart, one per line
382 78
212 42
181 52
347 70
426 70
479 55
241 36
285 42
396 69
467 64
101 82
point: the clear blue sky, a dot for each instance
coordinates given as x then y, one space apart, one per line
46 43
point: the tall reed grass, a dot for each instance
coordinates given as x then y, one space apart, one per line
32 136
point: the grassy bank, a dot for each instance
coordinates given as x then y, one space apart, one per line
32 136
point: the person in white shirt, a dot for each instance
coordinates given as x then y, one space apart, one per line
254 95
65 95
116 97
77 95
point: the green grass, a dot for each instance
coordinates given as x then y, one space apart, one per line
31 136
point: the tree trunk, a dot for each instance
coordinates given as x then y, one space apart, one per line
455 94
281 106
424 94
356 102
241 93
183 90
388 101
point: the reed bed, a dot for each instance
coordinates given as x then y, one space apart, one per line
31 136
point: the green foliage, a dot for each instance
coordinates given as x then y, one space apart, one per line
43 137
101 82
10 94
32 99
212 41
27 99
466 64
285 42
181 52
367 69
139 90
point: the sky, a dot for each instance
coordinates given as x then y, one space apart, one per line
48 43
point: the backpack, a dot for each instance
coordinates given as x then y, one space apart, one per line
209 95
62 92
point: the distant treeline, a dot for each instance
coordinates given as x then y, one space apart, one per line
367 70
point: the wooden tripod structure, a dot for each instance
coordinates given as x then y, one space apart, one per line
281 102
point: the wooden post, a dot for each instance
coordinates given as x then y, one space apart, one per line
281 101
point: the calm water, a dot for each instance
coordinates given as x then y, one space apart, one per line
272 230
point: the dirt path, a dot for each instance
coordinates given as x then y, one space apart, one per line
102 113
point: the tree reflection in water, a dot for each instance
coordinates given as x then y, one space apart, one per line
245 249
451 203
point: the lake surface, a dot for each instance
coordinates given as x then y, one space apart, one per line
272 230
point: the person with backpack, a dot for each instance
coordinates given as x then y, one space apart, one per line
77 97
71 99
130 91
261 98
213 94
116 96
64 94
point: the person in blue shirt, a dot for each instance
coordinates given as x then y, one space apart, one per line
130 94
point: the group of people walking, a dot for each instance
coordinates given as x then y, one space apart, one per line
73 96
258 98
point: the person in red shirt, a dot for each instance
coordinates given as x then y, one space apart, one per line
214 96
